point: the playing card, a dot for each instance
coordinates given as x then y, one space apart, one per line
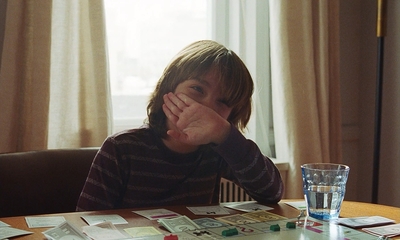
209 223
3 224
301 205
364 221
209 210
39 222
9 232
247 206
386 231
263 216
179 224
236 219
96 219
103 231
64 231
142 231
155 214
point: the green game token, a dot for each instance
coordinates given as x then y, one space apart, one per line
230 232
275 228
291 225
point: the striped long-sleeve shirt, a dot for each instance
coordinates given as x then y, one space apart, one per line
135 169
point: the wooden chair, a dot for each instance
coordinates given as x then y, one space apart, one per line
41 182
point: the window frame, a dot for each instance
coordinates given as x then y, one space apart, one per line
243 26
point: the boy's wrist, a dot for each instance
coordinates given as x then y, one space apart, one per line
222 134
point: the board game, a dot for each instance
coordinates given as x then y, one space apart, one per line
307 228
211 222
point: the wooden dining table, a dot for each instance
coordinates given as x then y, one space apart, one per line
349 209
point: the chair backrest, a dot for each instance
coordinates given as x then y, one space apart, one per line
41 182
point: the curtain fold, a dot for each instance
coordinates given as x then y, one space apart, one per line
80 71
54 89
24 75
305 85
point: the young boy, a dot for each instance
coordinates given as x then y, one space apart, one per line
192 139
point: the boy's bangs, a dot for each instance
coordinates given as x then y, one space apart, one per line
230 92
234 88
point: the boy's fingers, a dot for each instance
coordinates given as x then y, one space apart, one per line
170 115
168 101
178 102
174 134
184 98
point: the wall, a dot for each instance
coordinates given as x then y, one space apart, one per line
3 7
390 148
349 69
358 51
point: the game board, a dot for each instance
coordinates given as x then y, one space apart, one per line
307 228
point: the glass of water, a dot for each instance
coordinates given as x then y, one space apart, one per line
324 186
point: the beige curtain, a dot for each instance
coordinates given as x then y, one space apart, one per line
305 84
54 90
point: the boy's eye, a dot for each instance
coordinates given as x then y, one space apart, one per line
223 101
198 89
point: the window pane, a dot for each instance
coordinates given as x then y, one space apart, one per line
143 35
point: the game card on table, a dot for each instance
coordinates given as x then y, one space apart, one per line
64 231
209 210
358 222
385 231
155 214
96 219
247 206
179 224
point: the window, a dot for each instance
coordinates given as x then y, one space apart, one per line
143 35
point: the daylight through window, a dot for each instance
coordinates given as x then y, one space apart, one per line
143 35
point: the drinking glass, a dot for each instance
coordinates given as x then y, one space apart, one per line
324 186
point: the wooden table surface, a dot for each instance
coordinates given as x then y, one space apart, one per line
359 209
349 209
356 209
